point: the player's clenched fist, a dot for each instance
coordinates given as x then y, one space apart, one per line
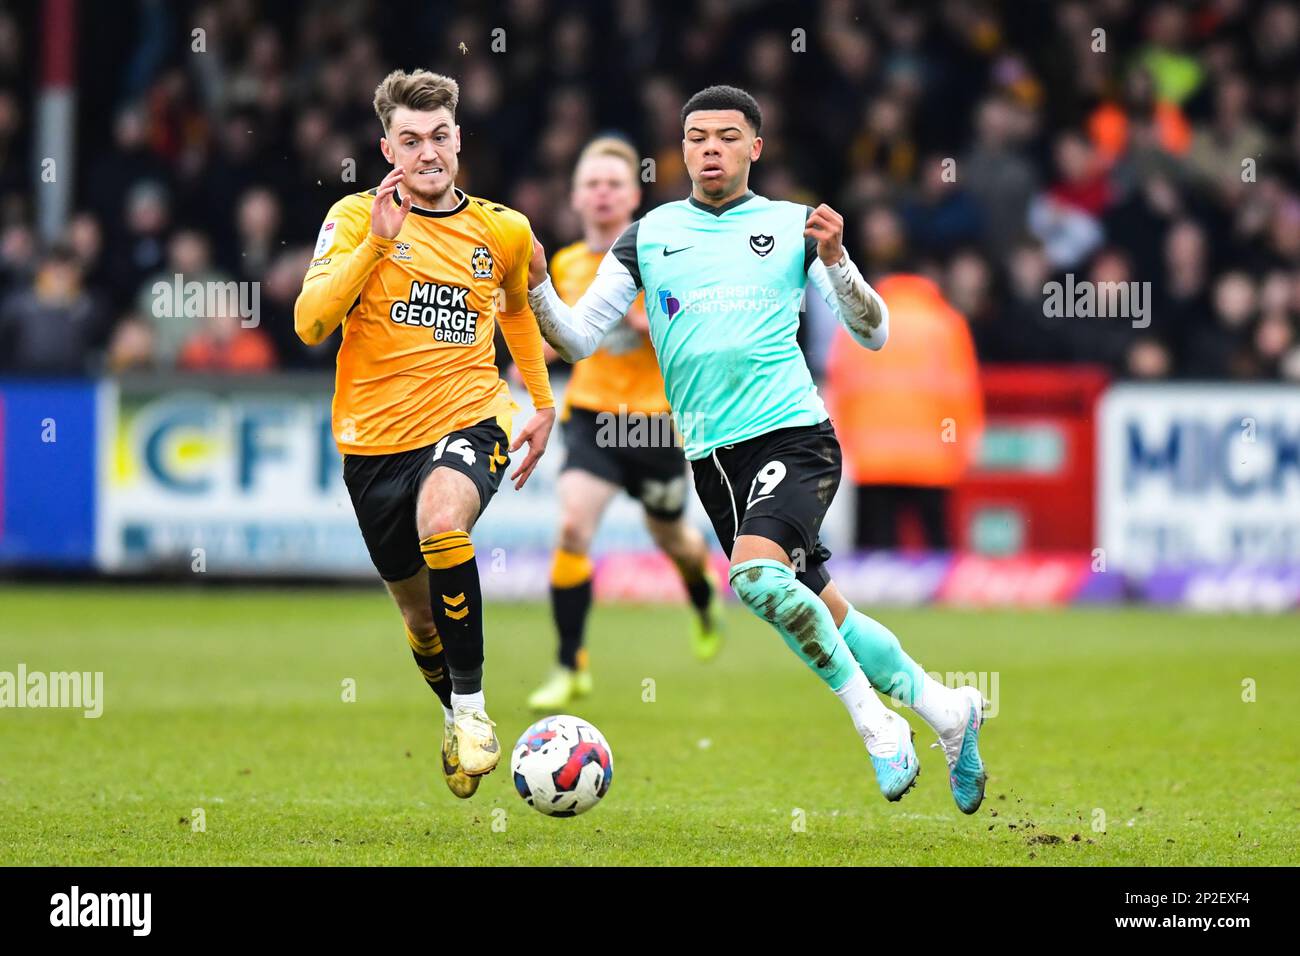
827 227
386 216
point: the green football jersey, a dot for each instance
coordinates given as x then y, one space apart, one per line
723 291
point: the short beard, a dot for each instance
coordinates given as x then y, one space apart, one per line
427 200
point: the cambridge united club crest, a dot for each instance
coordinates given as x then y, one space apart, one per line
481 263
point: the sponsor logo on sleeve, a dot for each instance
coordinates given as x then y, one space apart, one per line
325 239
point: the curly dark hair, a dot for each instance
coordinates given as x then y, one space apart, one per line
725 98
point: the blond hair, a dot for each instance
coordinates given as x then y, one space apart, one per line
610 146
418 90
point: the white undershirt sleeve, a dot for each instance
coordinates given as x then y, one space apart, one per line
859 307
576 332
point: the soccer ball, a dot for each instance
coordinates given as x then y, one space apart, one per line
562 766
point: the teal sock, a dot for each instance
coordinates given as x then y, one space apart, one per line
770 590
882 658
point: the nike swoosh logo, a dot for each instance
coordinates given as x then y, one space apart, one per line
673 252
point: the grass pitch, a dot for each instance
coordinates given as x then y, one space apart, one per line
1126 728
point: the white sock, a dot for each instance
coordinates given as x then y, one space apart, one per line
447 716
869 714
943 708
472 701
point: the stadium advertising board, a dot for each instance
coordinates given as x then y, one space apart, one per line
48 432
1199 475
1037 450
238 477
223 475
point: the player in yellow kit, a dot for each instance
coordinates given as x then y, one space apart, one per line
420 275
618 434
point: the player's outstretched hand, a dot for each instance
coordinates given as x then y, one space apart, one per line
536 433
827 227
536 265
386 216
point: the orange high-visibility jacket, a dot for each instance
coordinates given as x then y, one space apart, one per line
912 413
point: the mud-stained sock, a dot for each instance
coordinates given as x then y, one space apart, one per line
771 591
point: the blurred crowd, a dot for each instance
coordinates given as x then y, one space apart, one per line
993 147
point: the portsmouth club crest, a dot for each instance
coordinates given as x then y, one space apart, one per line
762 245
481 263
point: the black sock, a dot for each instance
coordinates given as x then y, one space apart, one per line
698 587
570 603
457 606
701 593
569 607
432 661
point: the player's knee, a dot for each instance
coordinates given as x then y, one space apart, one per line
835 603
448 501
440 519
575 536
669 537
418 617
766 587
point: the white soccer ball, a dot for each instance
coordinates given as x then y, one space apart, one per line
562 766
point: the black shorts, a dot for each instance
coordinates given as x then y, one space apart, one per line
639 453
778 486
385 489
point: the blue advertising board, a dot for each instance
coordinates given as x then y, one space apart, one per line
48 454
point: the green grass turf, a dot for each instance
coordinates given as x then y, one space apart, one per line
230 701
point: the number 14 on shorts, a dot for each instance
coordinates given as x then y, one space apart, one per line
462 447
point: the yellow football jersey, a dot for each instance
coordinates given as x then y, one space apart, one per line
417 359
624 370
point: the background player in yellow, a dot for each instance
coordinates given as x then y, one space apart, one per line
419 275
617 433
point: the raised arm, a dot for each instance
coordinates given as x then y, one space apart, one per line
576 332
834 275
347 251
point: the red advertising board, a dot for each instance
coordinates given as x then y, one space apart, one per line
1033 485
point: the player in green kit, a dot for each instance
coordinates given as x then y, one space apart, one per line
724 272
